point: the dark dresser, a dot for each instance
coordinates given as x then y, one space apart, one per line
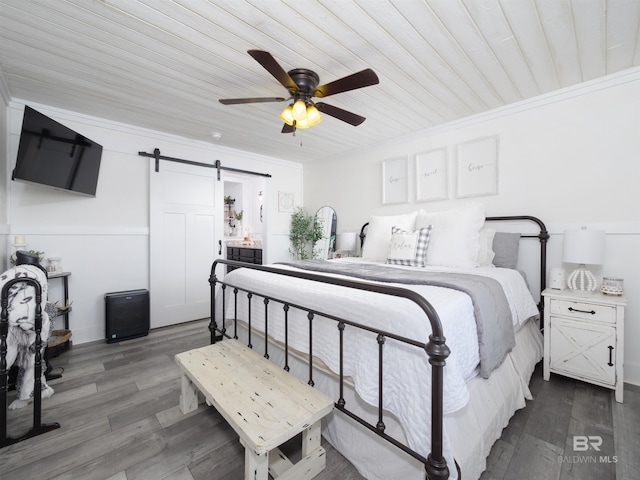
247 254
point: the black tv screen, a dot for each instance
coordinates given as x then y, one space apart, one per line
54 155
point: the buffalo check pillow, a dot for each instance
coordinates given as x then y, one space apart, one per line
409 248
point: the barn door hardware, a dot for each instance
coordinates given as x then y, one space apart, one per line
217 165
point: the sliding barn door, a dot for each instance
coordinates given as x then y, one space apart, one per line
185 228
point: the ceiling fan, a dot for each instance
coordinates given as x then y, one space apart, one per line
302 85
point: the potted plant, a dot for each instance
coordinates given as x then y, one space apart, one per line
305 231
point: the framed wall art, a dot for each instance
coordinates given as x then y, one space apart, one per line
285 202
477 172
395 180
431 175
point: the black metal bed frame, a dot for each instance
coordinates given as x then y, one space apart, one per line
436 348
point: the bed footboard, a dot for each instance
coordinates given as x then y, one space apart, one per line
435 348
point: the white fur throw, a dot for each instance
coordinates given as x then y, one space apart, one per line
22 336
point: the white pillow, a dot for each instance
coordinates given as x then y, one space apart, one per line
455 235
408 248
486 253
376 244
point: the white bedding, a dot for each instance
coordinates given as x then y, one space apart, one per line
404 394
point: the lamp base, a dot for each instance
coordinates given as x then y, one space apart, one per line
582 279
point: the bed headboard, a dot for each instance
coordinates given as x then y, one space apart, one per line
542 236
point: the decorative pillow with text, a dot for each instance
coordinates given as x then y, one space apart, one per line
409 248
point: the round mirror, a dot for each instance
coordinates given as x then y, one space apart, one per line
323 248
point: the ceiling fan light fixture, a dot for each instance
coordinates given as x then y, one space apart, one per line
299 110
313 115
287 115
304 123
302 86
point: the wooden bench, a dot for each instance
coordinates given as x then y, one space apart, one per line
264 404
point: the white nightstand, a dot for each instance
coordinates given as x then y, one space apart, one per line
584 337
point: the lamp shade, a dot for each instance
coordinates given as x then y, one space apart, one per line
299 110
304 123
313 115
301 115
583 246
287 115
346 242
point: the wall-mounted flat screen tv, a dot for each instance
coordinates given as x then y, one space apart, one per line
53 155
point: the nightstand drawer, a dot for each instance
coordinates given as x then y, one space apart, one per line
585 311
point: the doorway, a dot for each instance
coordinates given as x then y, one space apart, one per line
244 216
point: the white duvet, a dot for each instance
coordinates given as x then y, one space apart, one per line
407 377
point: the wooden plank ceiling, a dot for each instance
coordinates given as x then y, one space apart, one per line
163 64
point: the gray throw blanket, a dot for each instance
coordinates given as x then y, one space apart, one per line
494 321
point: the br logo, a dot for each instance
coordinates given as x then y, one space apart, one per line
582 443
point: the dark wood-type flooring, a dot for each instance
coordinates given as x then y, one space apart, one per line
118 409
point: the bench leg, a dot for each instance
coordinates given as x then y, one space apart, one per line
311 438
188 395
313 459
256 467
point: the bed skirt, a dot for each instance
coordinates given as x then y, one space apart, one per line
469 433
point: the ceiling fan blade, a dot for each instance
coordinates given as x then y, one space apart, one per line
340 114
235 101
272 66
286 128
361 79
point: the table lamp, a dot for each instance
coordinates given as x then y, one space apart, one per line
346 242
584 247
